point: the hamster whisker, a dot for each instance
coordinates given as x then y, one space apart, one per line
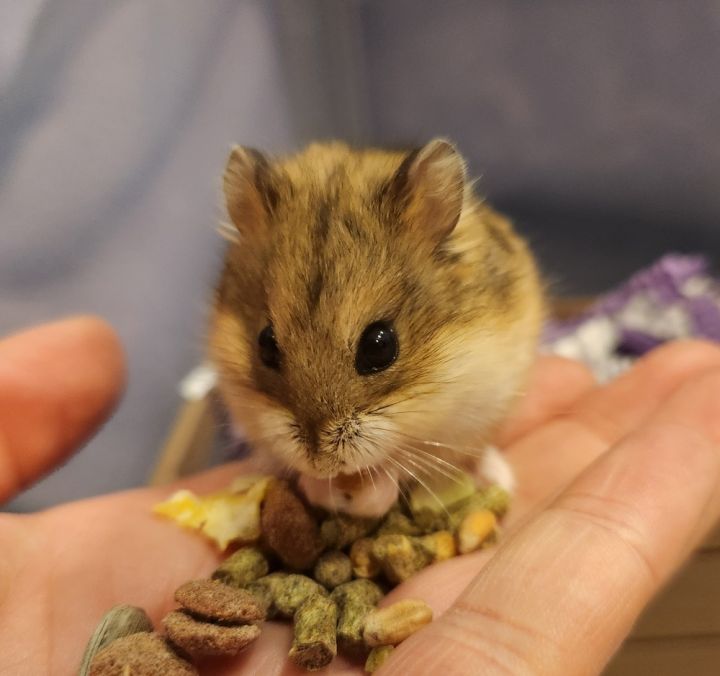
430 470
421 463
376 410
415 477
228 232
249 406
366 468
440 464
466 450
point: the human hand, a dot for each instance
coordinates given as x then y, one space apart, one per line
617 484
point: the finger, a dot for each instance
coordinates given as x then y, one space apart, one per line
602 417
554 385
561 595
57 384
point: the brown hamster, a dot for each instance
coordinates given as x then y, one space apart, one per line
373 314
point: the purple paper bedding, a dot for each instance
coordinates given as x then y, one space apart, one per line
676 297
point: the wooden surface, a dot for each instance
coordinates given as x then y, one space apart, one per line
188 444
668 656
690 606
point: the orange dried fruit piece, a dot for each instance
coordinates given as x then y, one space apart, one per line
232 515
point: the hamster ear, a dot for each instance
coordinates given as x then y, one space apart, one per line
431 184
251 189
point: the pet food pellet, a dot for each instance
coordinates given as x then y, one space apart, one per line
292 592
265 589
217 601
340 530
288 528
333 568
440 544
243 567
200 638
119 621
363 562
315 640
355 600
400 556
140 654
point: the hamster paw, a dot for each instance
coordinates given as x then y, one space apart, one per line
495 469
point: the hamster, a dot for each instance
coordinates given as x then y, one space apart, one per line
374 317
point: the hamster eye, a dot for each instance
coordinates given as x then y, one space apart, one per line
377 349
269 350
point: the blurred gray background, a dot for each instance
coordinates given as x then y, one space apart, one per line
596 126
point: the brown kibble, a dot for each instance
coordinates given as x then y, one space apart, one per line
363 562
314 642
217 601
293 590
475 530
400 556
243 567
377 657
289 529
140 654
204 638
332 569
394 623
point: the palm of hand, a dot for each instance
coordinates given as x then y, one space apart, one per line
64 568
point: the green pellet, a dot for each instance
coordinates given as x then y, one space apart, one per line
314 641
243 567
292 592
333 568
355 601
341 530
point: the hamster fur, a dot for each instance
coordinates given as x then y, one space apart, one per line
333 239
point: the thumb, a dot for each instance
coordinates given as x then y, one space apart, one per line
58 382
